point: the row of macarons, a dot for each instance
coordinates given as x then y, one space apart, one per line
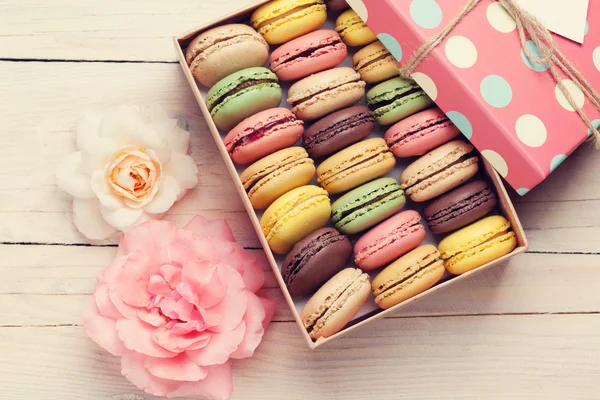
347 290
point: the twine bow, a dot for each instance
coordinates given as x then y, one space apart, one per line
549 54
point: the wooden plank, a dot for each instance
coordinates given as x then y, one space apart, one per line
48 285
135 30
542 356
37 134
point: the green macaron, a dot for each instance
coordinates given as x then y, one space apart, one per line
367 205
396 99
241 95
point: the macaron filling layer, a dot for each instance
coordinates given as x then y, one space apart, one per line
426 181
318 4
461 207
362 206
237 89
336 129
250 135
408 274
420 130
202 52
383 101
312 248
255 185
314 50
401 232
351 25
380 56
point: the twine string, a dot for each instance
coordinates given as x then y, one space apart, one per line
529 28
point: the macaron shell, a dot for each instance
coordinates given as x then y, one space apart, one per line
375 64
330 101
343 128
482 254
285 178
389 240
353 30
446 181
247 103
223 50
328 55
402 108
287 27
420 282
373 215
473 235
426 139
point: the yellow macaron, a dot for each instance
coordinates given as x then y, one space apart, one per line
353 30
355 165
375 63
477 244
277 174
408 276
282 20
294 216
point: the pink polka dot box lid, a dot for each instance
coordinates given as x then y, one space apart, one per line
509 107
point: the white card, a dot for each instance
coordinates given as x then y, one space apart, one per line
564 17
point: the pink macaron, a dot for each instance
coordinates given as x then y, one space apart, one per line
263 134
308 54
420 133
389 240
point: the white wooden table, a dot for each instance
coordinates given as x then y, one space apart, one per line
529 329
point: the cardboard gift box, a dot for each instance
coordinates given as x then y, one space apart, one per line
508 107
369 312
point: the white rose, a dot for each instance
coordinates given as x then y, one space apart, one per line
132 165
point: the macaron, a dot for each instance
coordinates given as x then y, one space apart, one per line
439 171
408 276
223 50
337 5
325 92
420 133
308 54
263 134
336 303
477 244
375 63
389 240
278 173
396 99
295 215
353 30
242 94
367 205
314 260
338 130
282 20
355 165
460 207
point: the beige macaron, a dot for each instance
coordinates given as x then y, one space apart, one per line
223 50
326 92
375 64
408 276
335 304
278 173
439 171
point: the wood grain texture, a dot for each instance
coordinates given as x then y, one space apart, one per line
527 329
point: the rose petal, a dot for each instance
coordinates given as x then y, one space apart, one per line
132 285
171 337
220 346
270 308
127 311
126 126
179 140
194 297
170 273
137 337
121 218
98 154
153 112
151 317
104 192
101 329
89 220
132 368
87 129
253 275
104 304
149 235
200 275
184 169
71 178
233 306
165 196
255 318
180 368
218 385
217 229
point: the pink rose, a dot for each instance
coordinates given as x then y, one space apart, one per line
176 305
